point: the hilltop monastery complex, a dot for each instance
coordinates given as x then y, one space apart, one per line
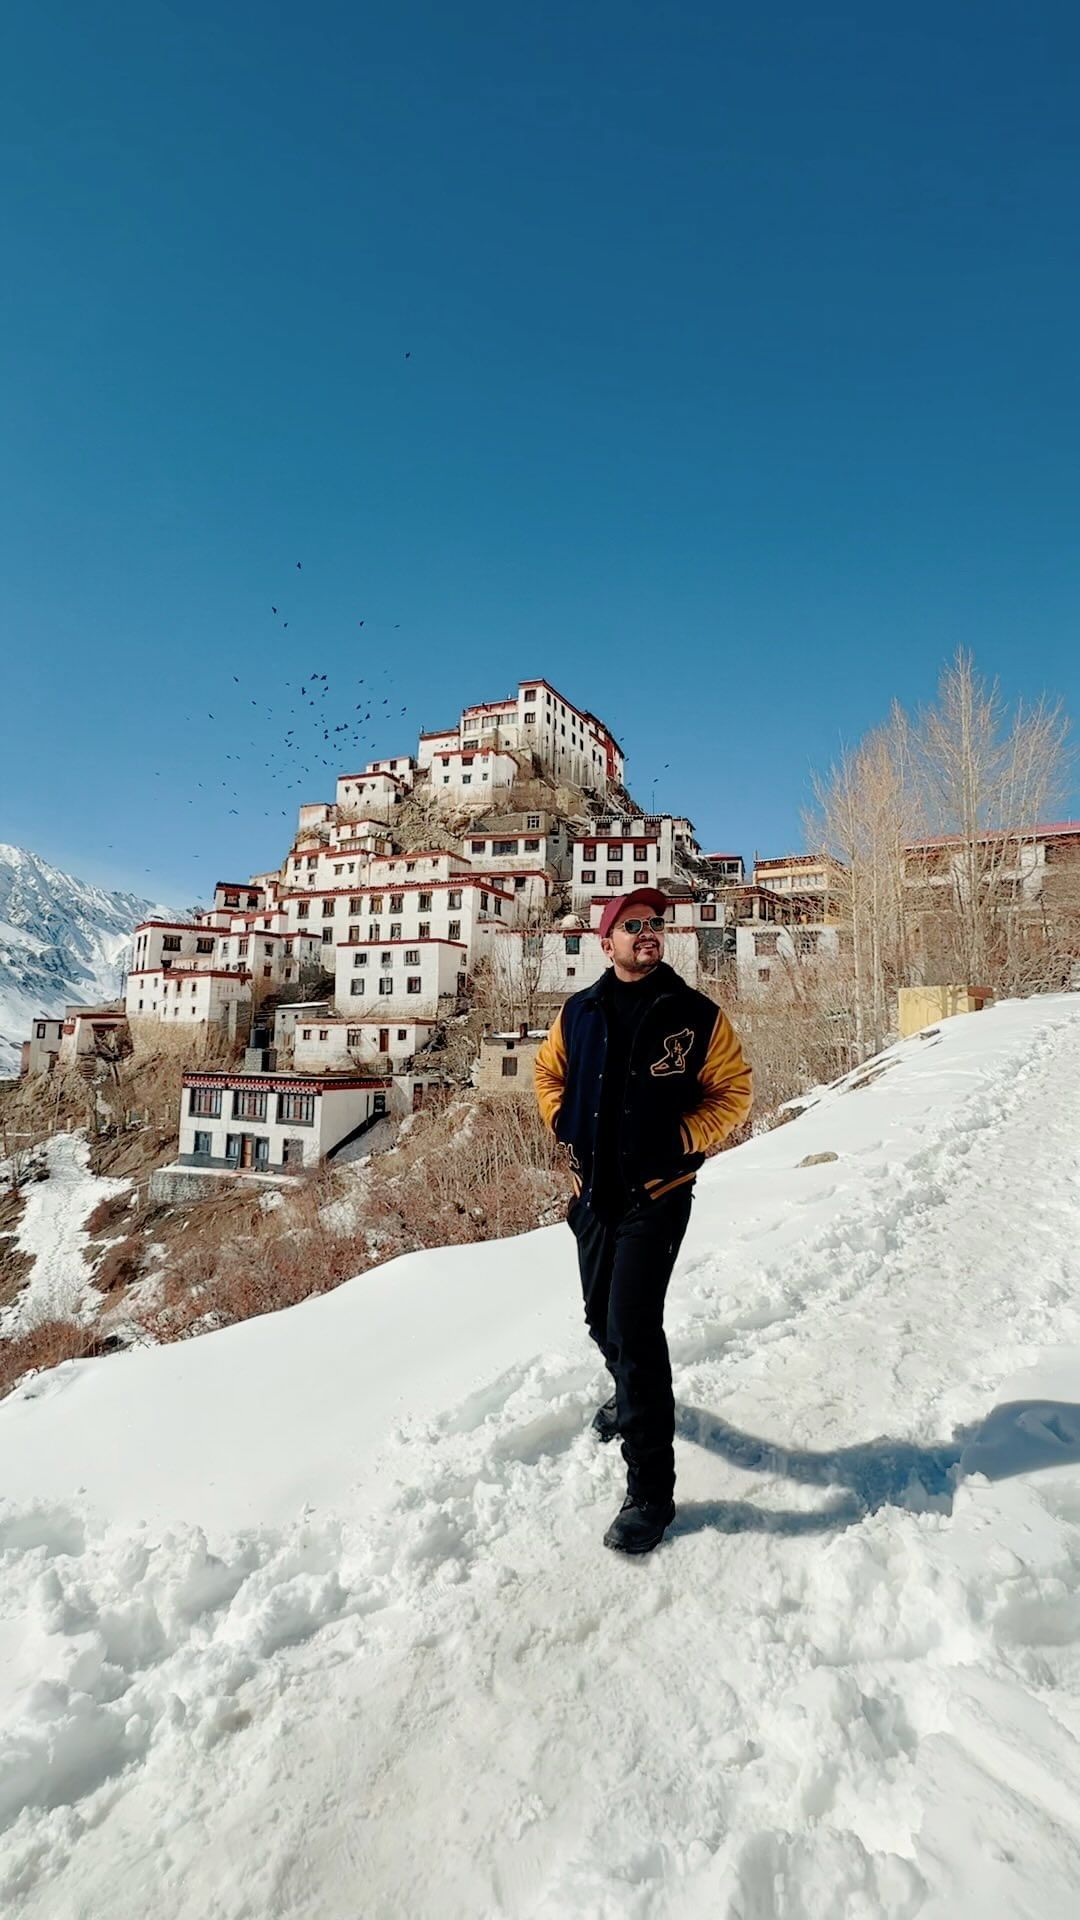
343 967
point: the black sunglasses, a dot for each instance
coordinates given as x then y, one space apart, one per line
655 925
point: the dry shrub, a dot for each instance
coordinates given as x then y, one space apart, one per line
109 1214
43 1346
118 1268
796 1033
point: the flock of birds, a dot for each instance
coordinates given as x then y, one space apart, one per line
313 739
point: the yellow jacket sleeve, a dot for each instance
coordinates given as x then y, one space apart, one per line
726 1091
549 1073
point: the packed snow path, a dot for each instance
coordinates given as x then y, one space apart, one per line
847 1686
53 1230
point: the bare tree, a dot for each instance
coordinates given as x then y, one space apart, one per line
866 815
988 779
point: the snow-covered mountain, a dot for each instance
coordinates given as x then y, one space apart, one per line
60 940
310 1617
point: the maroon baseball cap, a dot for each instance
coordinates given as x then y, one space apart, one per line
641 896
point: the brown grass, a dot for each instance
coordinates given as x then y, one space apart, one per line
44 1346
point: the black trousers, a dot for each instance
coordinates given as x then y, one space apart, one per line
626 1264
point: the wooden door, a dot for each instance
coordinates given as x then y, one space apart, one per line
384 1039
245 1150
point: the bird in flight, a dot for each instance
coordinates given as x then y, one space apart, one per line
299 569
408 356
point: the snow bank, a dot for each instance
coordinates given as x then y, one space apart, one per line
311 1618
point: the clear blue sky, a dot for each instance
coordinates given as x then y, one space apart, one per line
742 387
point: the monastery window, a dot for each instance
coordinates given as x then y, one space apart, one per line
530 693
469 748
532 819
339 866
303 908
328 909
204 946
242 947
297 1108
356 986
171 941
483 903
386 985
509 1066
412 984
588 876
496 903
327 939
504 846
423 904
708 913
403 1033
205 1101
397 903
356 904
532 846
466 779
573 943
477 846
588 851
360 960
412 956
641 850
764 973
306 1033
613 877
453 898
454 930
377 904
249 1103
530 719
641 876
354 1037
373 932
386 959
395 930
766 943
202 1143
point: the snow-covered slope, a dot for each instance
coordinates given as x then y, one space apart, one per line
60 940
311 1617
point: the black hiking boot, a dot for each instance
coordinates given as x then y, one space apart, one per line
638 1527
606 1421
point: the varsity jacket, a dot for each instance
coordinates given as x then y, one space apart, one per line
687 1086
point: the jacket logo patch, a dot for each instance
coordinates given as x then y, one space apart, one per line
673 1058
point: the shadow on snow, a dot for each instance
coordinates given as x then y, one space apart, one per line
1020 1437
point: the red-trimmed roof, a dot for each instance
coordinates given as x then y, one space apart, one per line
471 879
175 926
284 1083
191 973
421 853
617 840
391 1020
1047 832
429 940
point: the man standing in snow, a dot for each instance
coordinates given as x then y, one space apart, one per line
639 1077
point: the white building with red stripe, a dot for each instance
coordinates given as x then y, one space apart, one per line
567 742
